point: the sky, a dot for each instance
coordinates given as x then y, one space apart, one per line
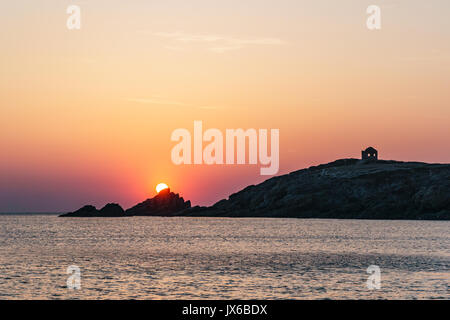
86 115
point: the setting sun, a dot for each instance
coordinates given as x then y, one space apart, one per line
161 186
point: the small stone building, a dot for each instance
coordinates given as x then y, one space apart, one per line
369 154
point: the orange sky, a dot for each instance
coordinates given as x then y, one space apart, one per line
86 115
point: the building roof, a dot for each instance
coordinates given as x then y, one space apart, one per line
371 150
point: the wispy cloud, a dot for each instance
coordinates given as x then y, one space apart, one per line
175 48
218 43
161 101
432 55
224 49
157 100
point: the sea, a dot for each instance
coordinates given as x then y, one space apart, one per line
47 257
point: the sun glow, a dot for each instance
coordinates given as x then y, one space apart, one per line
161 186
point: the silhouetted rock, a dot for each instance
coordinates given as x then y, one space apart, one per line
86 211
343 189
165 203
346 188
110 210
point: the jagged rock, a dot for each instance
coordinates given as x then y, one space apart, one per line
165 203
346 188
110 210
86 211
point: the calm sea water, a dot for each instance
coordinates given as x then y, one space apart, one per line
215 258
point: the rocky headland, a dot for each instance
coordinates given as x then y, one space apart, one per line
344 189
